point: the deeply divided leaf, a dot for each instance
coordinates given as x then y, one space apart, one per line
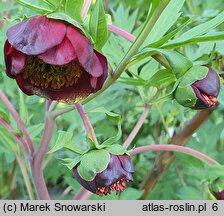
98 25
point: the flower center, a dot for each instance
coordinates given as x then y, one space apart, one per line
211 100
45 75
117 186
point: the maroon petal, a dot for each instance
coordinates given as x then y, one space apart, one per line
126 163
8 58
60 54
24 88
103 77
36 35
111 174
210 84
82 47
93 81
96 68
14 60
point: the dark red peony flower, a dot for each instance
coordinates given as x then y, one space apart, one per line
51 58
114 178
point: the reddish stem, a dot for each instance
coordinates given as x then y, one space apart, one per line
86 195
121 32
16 137
36 163
87 124
85 8
80 194
177 148
15 115
137 126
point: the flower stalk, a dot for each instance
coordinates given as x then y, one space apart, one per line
36 163
86 122
137 127
121 32
175 148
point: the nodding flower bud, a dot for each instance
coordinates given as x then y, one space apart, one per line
114 178
198 88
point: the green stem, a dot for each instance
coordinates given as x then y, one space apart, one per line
25 175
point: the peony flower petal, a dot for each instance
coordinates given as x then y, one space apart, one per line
89 185
36 35
210 84
60 54
82 47
103 77
8 58
96 68
14 59
20 82
93 81
126 163
111 174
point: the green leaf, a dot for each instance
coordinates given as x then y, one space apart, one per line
168 17
4 115
73 8
113 117
6 7
64 140
178 63
168 36
132 81
71 182
200 29
8 142
98 25
71 163
42 7
213 172
193 74
67 18
130 194
23 113
35 130
161 77
90 143
116 149
93 162
214 36
222 138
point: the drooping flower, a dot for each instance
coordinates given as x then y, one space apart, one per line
198 93
114 178
51 58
